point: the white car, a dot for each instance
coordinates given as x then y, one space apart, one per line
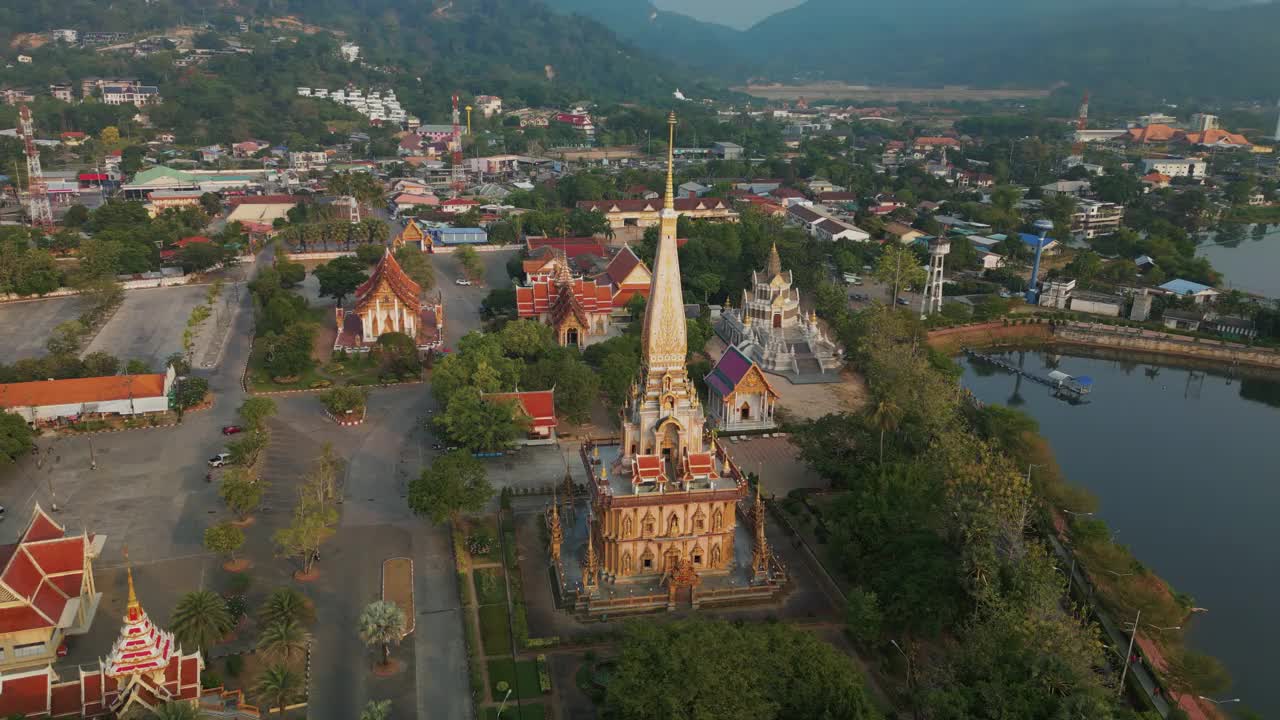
219 460
462 281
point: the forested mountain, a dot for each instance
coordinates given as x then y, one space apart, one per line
426 49
1147 48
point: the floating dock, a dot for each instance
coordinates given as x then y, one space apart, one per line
1058 381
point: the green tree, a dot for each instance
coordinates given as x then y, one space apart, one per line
340 277
101 364
417 265
1085 266
255 411
898 267
863 616
201 619
455 483
211 204
286 604
469 259
75 216
137 367
885 417
224 539
177 710
278 686
340 401
312 524
712 668
241 492
382 623
283 639
291 273
479 424
376 710
65 338
16 437
525 339
397 355
370 254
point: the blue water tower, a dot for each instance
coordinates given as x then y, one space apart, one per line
1033 288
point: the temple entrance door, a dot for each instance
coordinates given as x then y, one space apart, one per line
684 596
777 320
746 411
670 440
571 337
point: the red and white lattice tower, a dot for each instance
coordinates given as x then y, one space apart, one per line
37 190
459 174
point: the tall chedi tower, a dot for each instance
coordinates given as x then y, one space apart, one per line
664 417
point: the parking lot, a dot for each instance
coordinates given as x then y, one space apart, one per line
26 325
149 324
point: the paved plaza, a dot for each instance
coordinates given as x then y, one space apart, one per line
149 323
27 325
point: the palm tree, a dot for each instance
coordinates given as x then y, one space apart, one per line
287 604
376 710
282 640
277 686
382 623
177 711
885 417
201 619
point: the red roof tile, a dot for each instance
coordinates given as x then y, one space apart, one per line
58 556
50 601
76 391
539 405
388 270
22 575
13 619
66 699
42 527
26 695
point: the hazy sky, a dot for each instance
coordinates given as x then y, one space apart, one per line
740 14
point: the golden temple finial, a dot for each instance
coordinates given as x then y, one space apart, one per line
133 596
669 202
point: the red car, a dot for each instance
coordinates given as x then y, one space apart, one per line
232 430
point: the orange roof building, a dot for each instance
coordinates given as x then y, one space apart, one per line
539 407
44 401
389 302
1156 180
1152 134
1217 138
645 213
578 308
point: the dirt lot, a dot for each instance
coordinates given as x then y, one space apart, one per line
842 91
810 401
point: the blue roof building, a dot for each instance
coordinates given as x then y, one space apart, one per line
1032 240
459 236
1187 288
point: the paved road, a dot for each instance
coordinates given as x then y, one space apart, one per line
462 303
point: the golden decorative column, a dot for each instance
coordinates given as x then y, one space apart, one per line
557 533
760 553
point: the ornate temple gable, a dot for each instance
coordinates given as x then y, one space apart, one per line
413 234
387 281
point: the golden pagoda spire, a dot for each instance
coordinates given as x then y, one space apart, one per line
133 596
669 203
664 340
557 533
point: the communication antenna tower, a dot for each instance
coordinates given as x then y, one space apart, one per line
38 208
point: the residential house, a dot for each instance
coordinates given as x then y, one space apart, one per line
308 160
902 233
1073 188
832 230
758 187
690 189
1095 219
1155 181
988 259
1199 293
819 186
727 150
1057 293
806 217
72 138
1050 246
248 148
62 92
934 143
1173 167
136 95
16 97
1096 303
487 105
458 206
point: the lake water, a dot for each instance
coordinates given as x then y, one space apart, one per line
1186 467
1250 266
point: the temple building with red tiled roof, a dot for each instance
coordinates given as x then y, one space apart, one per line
539 407
579 308
413 234
46 593
389 302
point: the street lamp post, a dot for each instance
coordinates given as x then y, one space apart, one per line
1133 634
904 657
1219 702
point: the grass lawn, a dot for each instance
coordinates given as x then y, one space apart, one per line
522 677
494 631
527 680
527 712
491 588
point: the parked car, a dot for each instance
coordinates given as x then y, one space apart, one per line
219 460
462 281
232 430
904 301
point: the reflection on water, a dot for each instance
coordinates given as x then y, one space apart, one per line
1185 465
1248 261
